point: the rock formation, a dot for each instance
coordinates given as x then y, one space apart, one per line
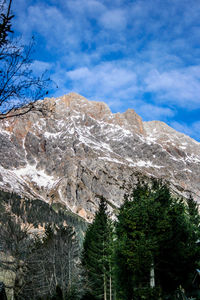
72 150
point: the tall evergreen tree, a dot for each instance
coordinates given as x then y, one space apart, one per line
194 222
193 211
96 255
155 244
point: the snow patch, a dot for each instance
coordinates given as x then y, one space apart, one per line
146 164
150 140
6 123
111 160
30 173
52 135
5 132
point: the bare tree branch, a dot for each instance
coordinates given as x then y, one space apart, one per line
18 83
5 22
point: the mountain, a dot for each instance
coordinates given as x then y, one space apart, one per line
69 150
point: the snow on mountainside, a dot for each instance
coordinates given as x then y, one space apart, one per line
72 150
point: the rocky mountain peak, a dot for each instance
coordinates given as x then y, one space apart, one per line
71 150
61 107
73 102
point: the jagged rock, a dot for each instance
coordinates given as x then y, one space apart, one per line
72 150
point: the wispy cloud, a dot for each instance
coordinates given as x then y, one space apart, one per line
102 80
152 112
39 66
139 54
179 86
50 23
114 19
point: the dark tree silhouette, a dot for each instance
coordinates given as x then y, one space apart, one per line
5 23
157 238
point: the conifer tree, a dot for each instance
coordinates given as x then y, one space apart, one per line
193 211
155 244
96 256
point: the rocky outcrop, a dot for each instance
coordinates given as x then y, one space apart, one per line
72 150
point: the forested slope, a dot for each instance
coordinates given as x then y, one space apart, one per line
39 247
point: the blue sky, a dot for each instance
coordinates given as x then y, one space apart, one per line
142 54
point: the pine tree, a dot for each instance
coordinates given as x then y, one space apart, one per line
96 256
111 260
155 243
194 223
193 211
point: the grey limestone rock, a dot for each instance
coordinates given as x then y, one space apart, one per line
72 150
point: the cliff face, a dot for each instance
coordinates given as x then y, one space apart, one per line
72 150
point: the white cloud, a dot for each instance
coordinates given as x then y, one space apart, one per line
140 54
52 24
39 67
85 8
114 19
81 73
105 79
57 31
151 112
179 86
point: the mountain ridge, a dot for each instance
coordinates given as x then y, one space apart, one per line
72 150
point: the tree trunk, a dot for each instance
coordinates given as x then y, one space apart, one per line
105 289
152 276
110 287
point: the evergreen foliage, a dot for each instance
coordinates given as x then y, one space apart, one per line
155 235
96 256
151 251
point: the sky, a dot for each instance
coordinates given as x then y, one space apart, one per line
142 54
